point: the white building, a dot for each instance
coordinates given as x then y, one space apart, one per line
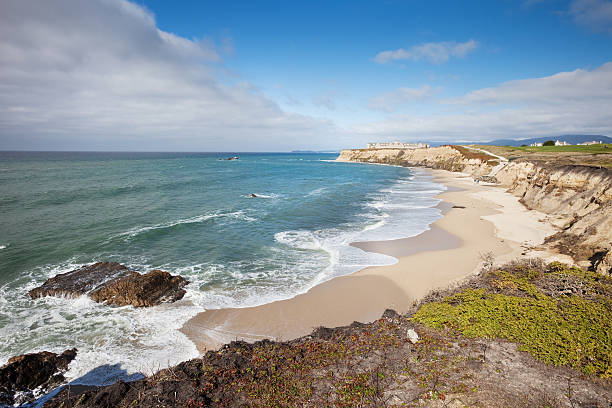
593 142
397 145
558 143
537 144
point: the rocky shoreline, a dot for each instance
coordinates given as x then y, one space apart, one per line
424 358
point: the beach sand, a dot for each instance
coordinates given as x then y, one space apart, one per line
477 220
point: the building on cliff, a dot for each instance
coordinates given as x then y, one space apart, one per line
397 145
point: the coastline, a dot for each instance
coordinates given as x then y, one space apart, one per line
484 219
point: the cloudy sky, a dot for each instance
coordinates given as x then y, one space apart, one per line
278 75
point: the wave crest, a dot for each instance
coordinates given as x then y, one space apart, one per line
238 215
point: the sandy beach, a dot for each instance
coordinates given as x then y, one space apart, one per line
478 220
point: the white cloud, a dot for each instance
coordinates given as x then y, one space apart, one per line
563 89
595 14
391 100
436 53
568 102
101 75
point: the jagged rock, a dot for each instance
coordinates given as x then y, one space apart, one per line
82 281
138 290
602 262
23 374
115 284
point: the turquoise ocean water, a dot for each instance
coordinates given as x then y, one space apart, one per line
189 214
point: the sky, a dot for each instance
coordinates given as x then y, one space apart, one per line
153 75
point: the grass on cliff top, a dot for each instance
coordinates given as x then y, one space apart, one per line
592 155
590 149
560 315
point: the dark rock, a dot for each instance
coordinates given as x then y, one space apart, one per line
138 290
115 284
390 314
27 372
82 281
602 262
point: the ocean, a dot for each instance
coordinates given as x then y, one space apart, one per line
189 214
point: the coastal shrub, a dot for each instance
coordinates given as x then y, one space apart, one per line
559 330
548 143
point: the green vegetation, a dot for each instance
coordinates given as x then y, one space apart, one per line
592 149
280 376
548 143
561 315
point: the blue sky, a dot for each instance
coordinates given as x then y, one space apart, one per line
244 75
316 55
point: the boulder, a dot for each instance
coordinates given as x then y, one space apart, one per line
487 179
602 262
138 290
82 281
23 374
115 284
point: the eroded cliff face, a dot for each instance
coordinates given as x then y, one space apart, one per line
577 199
443 157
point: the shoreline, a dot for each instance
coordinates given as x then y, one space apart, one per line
485 220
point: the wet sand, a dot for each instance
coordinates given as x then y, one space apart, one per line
492 221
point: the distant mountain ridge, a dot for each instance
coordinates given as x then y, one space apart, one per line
571 139
315 151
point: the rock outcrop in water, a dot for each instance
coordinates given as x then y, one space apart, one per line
115 284
23 374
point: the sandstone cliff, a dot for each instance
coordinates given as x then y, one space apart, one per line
443 157
578 199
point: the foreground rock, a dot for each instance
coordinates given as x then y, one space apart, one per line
115 284
26 373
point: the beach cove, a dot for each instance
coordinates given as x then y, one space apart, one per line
480 222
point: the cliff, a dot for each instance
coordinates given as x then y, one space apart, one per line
577 199
443 157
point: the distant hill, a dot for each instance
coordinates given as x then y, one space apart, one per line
571 139
315 151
